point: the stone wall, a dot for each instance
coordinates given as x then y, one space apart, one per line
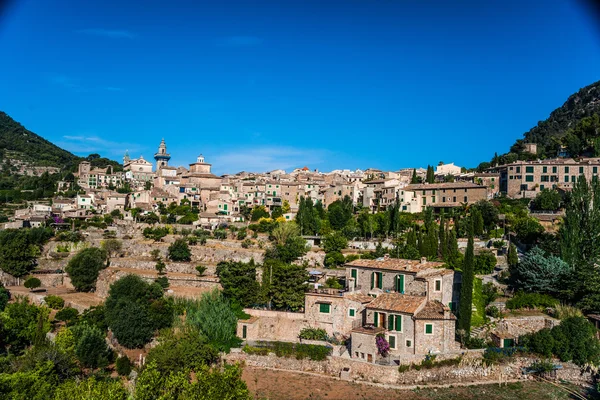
519 326
470 370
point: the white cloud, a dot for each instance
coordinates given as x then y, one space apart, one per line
263 159
109 33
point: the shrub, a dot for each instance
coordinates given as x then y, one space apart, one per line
334 259
83 269
530 300
352 257
404 368
259 351
564 311
541 366
313 334
54 302
333 283
155 254
180 251
496 355
67 314
124 365
247 243
295 350
91 348
493 311
242 233
32 283
160 267
201 269
485 262
220 234
192 240
163 281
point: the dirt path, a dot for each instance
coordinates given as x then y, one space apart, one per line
278 384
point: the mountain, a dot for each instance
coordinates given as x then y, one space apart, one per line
575 126
25 148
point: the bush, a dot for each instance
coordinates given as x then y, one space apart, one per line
333 283
313 334
352 257
242 233
220 234
299 351
32 283
192 240
54 302
247 243
259 351
83 269
335 241
180 251
493 311
163 281
485 262
564 311
124 365
541 366
530 300
91 348
496 355
334 259
67 314
160 267
201 269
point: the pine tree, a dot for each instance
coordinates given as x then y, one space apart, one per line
430 178
414 179
466 288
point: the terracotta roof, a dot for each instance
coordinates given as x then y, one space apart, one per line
359 297
397 302
395 264
433 310
434 272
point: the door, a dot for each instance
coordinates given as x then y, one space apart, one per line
244 331
369 357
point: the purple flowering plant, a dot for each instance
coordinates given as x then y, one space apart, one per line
382 345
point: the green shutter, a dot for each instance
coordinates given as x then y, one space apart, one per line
400 288
428 329
398 323
375 319
390 322
324 308
392 342
352 312
380 280
353 273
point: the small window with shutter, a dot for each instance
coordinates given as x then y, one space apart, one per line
429 329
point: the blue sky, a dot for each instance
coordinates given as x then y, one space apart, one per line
259 85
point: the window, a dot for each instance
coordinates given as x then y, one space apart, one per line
573 178
433 192
529 170
377 280
392 341
429 329
409 343
518 170
581 170
541 187
244 331
443 199
424 200
566 178
544 170
554 170
433 199
528 178
566 170
438 285
351 312
545 178
454 199
354 274
324 308
400 284
595 170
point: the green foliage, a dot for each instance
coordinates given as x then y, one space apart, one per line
530 300
258 351
333 259
259 212
247 243
22 324
430 176
135 309
333 283
497 355
91 348
160 267
201 269
339 213
32 283
54 302
163 281
288 285
4 297
547 199
91 389
564 311
84 267
512 256
67 314
155 233
180 251
123 365
95 316
466 288
213 317
313 334
574 339
242 234
299 351
239 281
182 351
19 249
220 234
293 248
485 262
539 272
210 383
335 241
307 217
111 247
528 229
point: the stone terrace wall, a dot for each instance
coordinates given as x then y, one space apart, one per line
470 370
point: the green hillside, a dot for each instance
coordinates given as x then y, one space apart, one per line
21 143
575 125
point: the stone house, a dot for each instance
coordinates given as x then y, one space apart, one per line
446 195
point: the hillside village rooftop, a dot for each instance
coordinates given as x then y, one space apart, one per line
396 264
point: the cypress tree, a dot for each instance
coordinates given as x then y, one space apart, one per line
466 288
451 247
411 239
477 222
414 179
430 178
512 258
442 237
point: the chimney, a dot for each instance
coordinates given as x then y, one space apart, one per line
423 260
386 256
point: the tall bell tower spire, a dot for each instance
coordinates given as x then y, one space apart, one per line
162 157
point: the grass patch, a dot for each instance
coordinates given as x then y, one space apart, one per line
478 317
